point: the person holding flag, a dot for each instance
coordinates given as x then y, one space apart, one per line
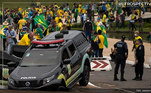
41 26
38 32
41 20
100 40
101 27
3 32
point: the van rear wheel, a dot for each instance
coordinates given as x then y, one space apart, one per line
85 76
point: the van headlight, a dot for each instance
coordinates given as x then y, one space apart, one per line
47 80
11 81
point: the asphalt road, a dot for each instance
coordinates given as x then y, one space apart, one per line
102 82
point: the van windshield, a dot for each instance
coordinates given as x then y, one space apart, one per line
40 58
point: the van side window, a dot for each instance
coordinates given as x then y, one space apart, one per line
65 54
72 49
80 39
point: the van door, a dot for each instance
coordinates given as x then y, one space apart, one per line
75 58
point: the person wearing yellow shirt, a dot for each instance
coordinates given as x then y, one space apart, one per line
136 34
135 45
66 16
51 13
80 8
21 23
40 11
26 40
100 40
83 10
98 24
57 18
104 19
61 12
60 25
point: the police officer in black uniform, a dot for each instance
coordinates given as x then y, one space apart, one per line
120 58
140 53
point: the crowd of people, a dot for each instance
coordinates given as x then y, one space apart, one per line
92 15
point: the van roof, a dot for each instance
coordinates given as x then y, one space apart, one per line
72 34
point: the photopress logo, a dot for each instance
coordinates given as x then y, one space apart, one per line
145 4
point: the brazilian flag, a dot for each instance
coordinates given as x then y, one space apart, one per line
105 36
41 20
2 32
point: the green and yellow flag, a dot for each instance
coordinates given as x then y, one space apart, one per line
41 20
105 36
2 33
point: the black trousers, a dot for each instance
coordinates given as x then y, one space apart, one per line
139 68
4 44
69 27
100 52
122 63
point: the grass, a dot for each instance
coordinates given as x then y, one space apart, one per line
146 27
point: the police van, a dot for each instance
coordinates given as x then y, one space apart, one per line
60 59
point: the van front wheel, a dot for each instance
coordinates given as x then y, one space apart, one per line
85 76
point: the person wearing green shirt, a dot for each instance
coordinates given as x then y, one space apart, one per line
39 31
76 14
93 24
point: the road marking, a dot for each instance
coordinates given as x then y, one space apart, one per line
101 64
93 85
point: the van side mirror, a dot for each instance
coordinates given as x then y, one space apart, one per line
66 61
11 64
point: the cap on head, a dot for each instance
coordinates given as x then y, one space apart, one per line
5 23
136 32
98 18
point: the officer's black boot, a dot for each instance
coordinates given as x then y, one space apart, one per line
115 77
140 78
136 78
122 78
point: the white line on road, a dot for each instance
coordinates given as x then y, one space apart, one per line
93 85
